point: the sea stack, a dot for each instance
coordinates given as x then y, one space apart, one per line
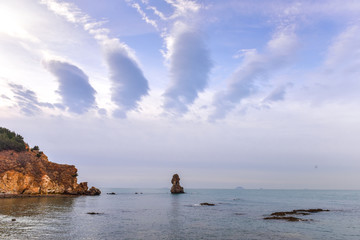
176 188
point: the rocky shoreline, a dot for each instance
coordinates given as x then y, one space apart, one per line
26 171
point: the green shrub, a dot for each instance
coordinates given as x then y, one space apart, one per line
11 141
36 148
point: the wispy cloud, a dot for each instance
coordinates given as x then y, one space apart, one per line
76 92
128 82
27 100
255 69
183 8
3 96
337 78
343 54
278 94
144 16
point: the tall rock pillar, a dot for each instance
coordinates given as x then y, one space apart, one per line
176 188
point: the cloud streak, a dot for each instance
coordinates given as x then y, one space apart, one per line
27 100
76 92
255 69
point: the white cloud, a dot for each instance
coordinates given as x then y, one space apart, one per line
144 16
184 8
76 92
255 69
128 82
190 65
344 53
68 10
186 53
336 80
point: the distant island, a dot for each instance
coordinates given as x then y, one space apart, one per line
27 171
239 188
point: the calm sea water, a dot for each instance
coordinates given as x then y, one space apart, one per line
156 214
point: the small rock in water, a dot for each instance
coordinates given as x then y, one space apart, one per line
136 193
13 219
111 193
207 204
290 219
94 213
285 215
93 191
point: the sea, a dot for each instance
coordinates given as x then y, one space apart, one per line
157 214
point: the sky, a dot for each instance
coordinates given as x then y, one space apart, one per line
258 94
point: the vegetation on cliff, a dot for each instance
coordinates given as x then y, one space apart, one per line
11 141
28 171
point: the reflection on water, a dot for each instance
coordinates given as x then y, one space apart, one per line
175 217
156 214
33 215
21 207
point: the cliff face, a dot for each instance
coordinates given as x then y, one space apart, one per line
30 172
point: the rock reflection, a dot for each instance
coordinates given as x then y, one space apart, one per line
176 218
22 207
36 217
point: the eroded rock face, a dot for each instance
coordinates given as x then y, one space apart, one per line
28 173
176 188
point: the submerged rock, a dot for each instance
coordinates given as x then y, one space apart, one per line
207 204
176 188
285 215
290 219
299 212
111 193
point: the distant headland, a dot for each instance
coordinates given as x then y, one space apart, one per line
27 171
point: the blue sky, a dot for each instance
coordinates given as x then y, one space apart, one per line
260 94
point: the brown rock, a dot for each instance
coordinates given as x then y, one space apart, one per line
289 219
207 204
93 191
176 188
28 173
285 215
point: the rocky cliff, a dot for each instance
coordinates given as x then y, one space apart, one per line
30 172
